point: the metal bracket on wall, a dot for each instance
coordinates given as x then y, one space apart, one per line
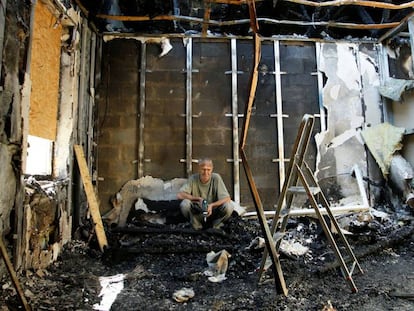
185 160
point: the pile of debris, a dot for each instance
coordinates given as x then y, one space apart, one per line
216 270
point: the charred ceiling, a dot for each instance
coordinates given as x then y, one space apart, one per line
337 19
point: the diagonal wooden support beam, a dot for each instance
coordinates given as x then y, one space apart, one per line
270 244
90 194
254 24
252 92
13 276
206 19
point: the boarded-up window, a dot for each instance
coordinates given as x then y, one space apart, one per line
45 64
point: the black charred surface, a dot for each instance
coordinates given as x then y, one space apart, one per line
278 11
156 265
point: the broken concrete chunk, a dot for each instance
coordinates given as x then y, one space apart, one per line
145 188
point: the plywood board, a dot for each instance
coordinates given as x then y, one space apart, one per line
90 194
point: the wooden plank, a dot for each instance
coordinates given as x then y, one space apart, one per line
373 4
207 11
252 91
270 244
90 194
13 276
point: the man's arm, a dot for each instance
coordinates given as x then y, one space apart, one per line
220 202
213 205
185 195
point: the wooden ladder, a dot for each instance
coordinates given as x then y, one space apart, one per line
299 171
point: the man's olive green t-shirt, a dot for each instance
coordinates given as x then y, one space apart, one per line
212 191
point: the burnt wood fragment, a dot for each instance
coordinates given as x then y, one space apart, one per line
167 230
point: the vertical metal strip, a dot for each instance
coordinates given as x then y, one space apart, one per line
235 118
318 51
279 113
91 102
188 107
3 4
384 74
141 112
363 107
81 136
411 31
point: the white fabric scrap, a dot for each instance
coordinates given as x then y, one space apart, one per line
217 279
111 286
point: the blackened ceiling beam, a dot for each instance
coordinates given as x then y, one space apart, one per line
372 4
254 24
401 27
245 21
314 19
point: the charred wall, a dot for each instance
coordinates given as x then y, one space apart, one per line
14 49
37 222
118 115
199 79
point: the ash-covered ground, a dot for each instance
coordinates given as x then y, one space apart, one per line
159 260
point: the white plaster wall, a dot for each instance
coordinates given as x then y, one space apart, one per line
370 77
403 113
350 95
67 117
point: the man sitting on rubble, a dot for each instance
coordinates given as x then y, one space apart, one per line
205 199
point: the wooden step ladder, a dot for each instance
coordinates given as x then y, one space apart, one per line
301 180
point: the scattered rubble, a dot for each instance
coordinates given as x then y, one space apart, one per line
173 278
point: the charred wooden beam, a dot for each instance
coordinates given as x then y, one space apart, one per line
395 238
400 27
372 4
197 20
254 24
13 276
167 230
366 17
170 249
91 196
207 11
235 2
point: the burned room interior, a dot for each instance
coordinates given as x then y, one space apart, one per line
304 107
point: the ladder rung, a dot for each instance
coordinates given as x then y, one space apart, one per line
351 271
299 190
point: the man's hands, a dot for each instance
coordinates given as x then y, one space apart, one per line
209 209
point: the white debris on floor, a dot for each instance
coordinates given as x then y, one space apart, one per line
183 294
111 286
217 265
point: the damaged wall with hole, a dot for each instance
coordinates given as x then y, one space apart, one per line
352 103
